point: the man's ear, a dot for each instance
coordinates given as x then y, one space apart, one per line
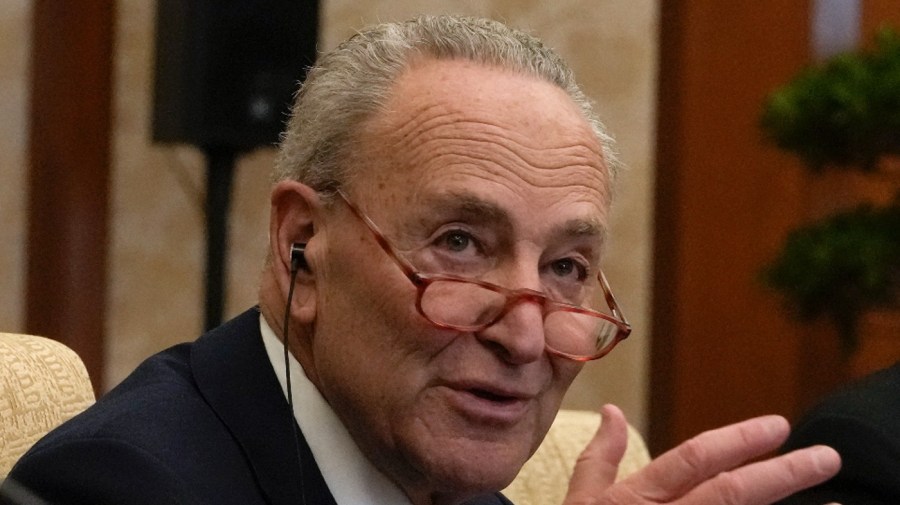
293 224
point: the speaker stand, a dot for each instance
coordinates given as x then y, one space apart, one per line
219 175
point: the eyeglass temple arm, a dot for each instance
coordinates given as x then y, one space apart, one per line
383 242
611 300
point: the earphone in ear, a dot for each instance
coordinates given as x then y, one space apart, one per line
298 258
298 261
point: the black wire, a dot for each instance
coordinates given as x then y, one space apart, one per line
287 374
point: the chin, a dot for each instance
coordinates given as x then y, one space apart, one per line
455 485
465 467
457 455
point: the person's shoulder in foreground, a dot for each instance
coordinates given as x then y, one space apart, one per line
862 422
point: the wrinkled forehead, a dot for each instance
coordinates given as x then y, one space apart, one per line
462 124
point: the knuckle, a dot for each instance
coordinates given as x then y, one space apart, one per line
749 435
729 488
621 494
794 471
794 468
695 455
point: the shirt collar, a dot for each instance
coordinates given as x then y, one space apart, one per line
351 477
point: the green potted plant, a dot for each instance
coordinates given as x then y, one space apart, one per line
841 115
844 113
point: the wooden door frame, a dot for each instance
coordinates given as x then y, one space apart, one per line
69 158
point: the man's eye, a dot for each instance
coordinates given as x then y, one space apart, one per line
567 267
457 241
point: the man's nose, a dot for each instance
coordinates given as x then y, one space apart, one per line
518 337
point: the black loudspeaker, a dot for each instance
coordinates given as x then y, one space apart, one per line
227 70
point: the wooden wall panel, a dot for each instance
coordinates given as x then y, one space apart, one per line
725 199
877 13
68 175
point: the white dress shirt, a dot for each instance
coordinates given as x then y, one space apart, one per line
350 476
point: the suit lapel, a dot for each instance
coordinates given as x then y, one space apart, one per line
235 377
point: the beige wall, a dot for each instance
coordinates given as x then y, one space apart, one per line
14 25
156 249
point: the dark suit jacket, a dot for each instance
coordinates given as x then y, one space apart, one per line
862 423
200 423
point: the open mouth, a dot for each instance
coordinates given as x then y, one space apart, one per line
494 397
483 403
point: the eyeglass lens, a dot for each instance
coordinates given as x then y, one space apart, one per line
465 305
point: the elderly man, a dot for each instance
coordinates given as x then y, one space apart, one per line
437 226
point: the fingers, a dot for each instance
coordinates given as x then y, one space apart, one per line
704 470
598 464
770 480
678 471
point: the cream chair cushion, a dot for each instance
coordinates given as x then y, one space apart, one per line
544 479
42 384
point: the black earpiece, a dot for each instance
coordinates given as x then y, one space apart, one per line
298 261
298 258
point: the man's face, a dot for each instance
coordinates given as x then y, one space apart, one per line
468 165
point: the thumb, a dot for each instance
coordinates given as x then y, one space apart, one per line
598 464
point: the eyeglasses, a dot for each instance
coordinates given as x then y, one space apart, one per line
469 305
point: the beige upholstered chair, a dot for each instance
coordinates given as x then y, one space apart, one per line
545 477
42 384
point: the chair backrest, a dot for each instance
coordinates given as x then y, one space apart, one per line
545 477
42 384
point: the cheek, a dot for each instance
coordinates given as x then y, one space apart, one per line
563 373
367 377
372 349
368 309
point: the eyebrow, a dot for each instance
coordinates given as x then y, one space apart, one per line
588 228
472 206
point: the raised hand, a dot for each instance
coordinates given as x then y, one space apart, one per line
708 469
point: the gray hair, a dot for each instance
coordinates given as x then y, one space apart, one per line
350 84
